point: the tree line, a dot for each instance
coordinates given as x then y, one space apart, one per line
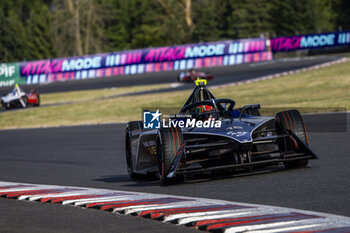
41 29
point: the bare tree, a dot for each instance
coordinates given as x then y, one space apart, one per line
77 27
176 9
88 27
74 11
188 14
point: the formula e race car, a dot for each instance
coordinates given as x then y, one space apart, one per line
193 75
235 139
20 99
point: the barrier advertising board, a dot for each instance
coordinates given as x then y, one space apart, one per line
146 60
9 74
310 41
221 53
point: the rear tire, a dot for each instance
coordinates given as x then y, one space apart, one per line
38 103
131 126
179 79
292 120
169 141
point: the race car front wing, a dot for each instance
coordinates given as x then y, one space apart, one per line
180 164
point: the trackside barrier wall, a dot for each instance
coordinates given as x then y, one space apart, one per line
169 58
9 74
310 41
230 52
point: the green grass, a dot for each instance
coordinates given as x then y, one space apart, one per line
323 90
326 89
90 95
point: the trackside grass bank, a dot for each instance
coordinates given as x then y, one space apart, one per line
91 95
323 90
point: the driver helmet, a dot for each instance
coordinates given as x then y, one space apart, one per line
205 108
15 89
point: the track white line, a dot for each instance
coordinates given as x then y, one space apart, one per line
184 210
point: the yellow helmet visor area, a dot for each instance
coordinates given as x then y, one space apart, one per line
200 81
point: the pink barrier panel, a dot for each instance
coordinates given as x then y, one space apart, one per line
169 58
310 41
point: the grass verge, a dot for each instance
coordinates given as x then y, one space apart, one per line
91 95
326 89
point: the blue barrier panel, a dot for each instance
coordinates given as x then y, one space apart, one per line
310 41
168 58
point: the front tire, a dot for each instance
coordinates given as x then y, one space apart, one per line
292 121
25 100
131 126
6 105
169 141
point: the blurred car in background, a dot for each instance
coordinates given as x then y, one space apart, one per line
20 99
192 75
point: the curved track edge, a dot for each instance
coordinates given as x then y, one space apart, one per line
199 213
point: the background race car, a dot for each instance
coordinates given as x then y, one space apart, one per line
20 100
193 75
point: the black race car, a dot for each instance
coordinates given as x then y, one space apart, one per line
236 139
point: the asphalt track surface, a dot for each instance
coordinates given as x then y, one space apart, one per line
222 75
93 156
